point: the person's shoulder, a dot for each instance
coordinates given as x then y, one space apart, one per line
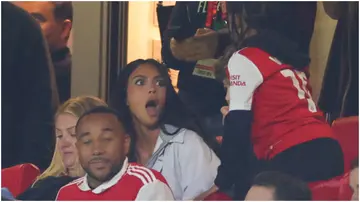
54 180
73 185
15 14
19 26
254 61
144 174
249 55
191 136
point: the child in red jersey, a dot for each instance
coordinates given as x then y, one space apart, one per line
272 122
103 143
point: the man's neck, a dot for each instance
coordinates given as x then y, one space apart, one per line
93 183
60 54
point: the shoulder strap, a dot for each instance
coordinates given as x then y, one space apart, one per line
166 141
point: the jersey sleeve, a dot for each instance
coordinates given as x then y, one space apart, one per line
155 191
59 195
244 78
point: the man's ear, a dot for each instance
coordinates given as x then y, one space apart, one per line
66 29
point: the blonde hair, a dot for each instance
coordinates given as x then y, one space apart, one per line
77 107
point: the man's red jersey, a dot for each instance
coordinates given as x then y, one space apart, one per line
279 96
133 182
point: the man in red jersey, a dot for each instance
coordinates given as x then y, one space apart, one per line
103 143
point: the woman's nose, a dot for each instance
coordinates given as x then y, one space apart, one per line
65 142
152 89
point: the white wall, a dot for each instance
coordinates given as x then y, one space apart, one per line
141 30
144 35
89 49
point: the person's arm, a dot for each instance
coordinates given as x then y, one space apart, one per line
198 166
334 9
236 147
155 191
36 138
177 24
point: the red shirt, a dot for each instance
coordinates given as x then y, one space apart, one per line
133 182
279 96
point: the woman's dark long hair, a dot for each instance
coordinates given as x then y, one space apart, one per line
261 16
174 113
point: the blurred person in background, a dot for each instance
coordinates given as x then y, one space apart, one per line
65 165
340 91
197 35
192 41
29 94
277 186
55 18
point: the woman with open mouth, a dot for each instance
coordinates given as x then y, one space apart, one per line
165 137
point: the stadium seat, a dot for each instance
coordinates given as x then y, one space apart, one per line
331 190
346 131
218 196
345 192
18 178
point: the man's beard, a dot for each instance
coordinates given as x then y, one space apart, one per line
113 171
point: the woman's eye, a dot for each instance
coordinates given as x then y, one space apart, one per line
59 136
139 82
161 83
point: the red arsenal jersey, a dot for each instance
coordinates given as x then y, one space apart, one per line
133 182
279 96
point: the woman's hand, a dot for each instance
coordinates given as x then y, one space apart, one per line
224 111
202 196
199 47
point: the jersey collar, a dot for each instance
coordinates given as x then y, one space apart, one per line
84 186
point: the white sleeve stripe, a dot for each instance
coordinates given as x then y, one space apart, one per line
143 173
142 178
148 171
155 191
77 181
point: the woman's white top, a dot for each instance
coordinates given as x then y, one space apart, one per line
187 163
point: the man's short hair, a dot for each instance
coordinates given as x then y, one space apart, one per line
63 10
103 110
355 164
287 188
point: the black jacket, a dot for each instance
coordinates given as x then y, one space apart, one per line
28 97
46 189
340 92
190 16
